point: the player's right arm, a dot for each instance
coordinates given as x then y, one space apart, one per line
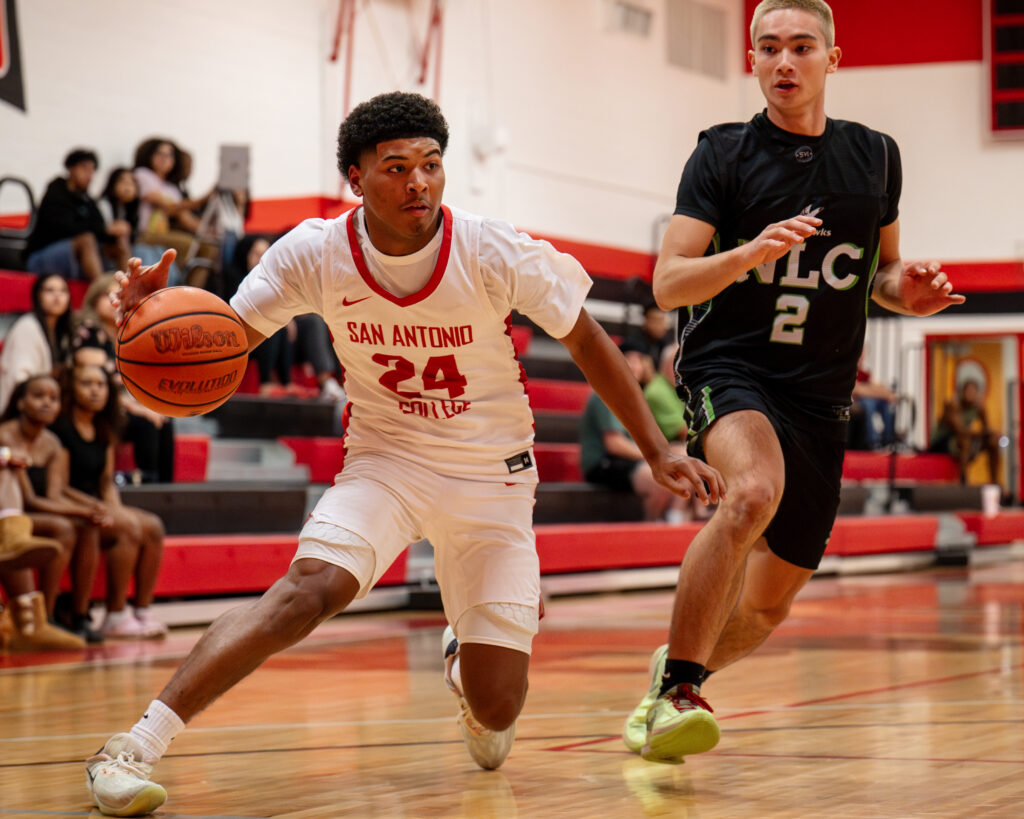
684 276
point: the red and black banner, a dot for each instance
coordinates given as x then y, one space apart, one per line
12 87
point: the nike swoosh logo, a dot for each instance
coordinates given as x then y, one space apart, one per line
346 303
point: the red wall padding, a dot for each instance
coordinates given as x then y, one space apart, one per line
901 32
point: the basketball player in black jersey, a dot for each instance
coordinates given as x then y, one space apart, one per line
784 227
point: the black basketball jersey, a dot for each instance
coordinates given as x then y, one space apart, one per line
796 324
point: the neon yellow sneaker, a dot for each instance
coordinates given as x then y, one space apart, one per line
679 724
634 732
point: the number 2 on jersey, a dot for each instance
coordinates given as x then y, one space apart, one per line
789 319
441 372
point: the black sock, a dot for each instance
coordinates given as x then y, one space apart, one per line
682 671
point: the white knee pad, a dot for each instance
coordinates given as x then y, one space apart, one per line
509 625
339 547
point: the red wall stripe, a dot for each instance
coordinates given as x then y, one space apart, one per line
901 32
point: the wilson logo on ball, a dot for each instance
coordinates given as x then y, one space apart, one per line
195 337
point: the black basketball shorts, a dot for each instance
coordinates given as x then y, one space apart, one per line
813 444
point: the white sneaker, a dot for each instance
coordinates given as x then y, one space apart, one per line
488 748
118 779
124 627
152 629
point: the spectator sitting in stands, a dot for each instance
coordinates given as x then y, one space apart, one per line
24 625
668 410
133 538
35 405
872 413
150 433
609 457
119 202
665 403
70 236
654 334
166 217
964 432
40 341
303 339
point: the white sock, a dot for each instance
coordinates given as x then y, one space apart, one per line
457 673
141 611
10 513
154 732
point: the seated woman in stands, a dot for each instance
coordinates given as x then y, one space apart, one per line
150 433
75 525
40 341
120 202
131 538
166 217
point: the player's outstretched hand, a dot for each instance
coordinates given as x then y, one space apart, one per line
924 289
774 241
688 476
138 282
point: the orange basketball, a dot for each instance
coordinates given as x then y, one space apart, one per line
182 351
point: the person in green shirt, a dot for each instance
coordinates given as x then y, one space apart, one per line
665 403
608 455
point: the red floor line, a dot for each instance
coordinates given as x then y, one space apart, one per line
572 745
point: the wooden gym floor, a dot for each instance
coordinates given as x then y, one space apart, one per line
882 696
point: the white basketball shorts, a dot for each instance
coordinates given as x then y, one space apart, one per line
482 533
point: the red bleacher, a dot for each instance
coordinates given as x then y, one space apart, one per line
549 394
16 291
196 565
200 565
920 467
191 458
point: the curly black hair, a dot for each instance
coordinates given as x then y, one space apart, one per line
396 115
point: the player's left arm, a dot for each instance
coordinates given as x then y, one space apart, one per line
910 288
607 372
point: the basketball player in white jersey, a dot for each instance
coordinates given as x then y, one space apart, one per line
438 433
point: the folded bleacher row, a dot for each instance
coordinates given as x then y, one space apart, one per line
247 475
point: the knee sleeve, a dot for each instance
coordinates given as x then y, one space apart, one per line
508 625
339 547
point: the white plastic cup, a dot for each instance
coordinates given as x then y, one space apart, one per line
990 496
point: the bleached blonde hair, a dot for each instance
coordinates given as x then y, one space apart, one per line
819 8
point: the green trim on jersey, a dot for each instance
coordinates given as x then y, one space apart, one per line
871 278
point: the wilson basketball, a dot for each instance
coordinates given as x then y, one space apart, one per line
182 351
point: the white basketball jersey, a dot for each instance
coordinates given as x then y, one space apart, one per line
432 376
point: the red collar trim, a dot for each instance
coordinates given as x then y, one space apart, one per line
432 282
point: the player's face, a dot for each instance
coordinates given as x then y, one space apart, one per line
401 182
90 387
41 403
790 60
